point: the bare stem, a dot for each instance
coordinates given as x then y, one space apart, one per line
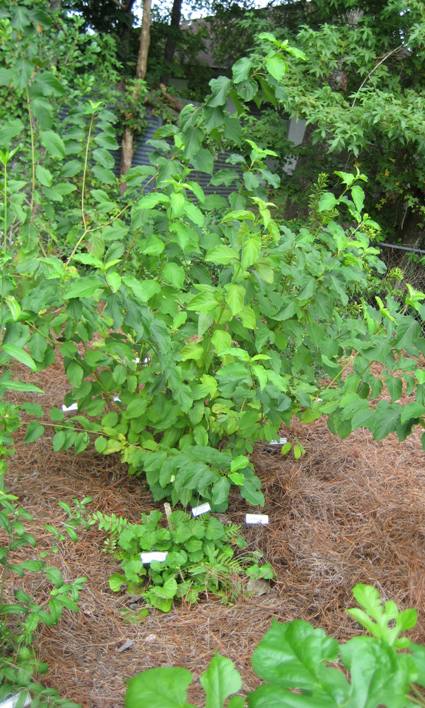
86 162
5 215
31 122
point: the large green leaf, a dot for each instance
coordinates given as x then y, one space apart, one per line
20 355
53 144
12 385
379 676
142 289
174 274
34 431
276 66
159 688
219 91
219 681
294 655
235 296
44 176
83 287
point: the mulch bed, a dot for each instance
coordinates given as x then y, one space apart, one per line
348 511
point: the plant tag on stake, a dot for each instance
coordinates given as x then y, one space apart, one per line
150 556
281 441
201 509
68 409
257 519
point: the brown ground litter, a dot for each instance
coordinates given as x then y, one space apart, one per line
349 511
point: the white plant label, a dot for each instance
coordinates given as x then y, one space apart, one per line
201 509
116 399
13 701
281 441
257 519
68 409
150 556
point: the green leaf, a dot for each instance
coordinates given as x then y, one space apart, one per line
219 681
150 201
20 355
104 175
276 66
174 275
12 385
59 440
14 307
114 281
53 144
75 374
378 675
82 287
386 419
203 161
241 69
44 176
235 297
251 252
54 576
142 289
327 201
358 197
194 213
159 688
34 431
116 582
220 89
87 259
293 655
103 158
241 462
136 408
32 409
412 411
221 255
177 202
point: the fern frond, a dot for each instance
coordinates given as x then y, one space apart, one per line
109 523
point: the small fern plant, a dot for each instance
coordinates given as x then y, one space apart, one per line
164 559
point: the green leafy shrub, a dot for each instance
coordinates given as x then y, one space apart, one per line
199 558
302 666
21 614
191 325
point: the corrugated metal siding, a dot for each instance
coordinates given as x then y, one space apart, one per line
143 151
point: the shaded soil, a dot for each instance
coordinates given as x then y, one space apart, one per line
349 511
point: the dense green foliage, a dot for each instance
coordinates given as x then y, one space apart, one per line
21 614
361 92
199 557
190 326
302 666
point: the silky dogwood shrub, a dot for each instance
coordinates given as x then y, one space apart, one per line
224 340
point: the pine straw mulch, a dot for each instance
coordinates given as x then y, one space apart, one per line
349 511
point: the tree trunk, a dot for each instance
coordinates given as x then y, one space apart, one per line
141 68
127 150
170 46
145 38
